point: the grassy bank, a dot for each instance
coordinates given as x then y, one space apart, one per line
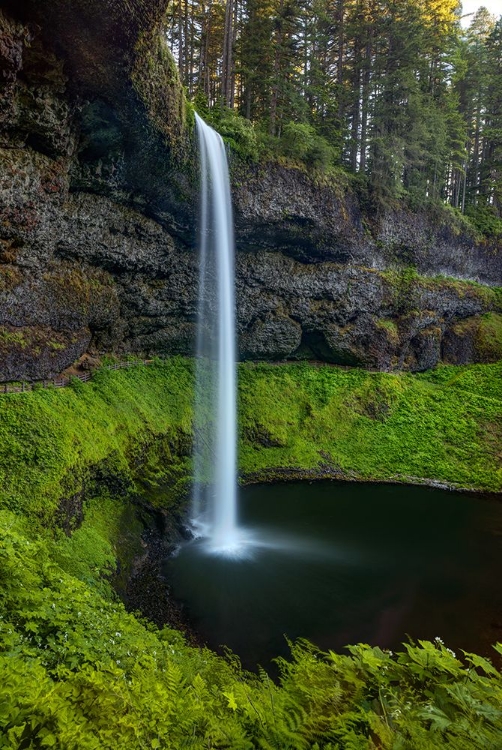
72 459
79 673
135 424
58 443
444 425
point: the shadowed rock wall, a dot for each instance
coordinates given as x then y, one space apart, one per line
98 184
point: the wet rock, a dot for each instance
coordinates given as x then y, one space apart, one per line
274 337
459 342
283 209
98 204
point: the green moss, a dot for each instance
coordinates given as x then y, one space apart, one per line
137 423
485 333
489 337
156 80
71 288
10 277
390 327
373 425
50 440
10 337
488 295
102 548
406 284
55 346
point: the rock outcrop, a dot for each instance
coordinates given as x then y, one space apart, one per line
98 204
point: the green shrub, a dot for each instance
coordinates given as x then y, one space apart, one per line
299 141
235 130
485 220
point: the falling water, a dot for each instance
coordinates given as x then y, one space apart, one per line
215 487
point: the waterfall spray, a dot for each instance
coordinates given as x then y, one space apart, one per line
215 461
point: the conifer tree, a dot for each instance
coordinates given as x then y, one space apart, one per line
391 89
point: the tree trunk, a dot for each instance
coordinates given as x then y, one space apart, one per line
226 68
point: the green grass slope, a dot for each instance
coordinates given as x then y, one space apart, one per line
444 425
56 442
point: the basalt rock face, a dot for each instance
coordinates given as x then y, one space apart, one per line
353 315
93 204
284 209
98 204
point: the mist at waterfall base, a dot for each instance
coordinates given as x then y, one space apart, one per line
341 563
215 434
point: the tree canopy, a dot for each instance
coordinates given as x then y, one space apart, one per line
393 91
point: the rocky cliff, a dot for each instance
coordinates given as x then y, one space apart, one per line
98 184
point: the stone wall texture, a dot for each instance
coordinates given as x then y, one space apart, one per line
98 216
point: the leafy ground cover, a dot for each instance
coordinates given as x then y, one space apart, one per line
79 672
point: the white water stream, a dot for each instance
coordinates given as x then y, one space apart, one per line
215 460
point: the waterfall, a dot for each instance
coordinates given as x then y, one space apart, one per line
215 432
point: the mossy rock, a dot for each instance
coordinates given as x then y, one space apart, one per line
489 338
475 339
156 80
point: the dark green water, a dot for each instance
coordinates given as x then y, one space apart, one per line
341 563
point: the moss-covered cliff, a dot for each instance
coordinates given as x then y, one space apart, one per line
124 426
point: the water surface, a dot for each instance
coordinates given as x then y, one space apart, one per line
341 563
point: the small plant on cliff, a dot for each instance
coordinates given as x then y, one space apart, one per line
238 132
9 337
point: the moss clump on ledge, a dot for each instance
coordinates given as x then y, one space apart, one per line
156 80
489 336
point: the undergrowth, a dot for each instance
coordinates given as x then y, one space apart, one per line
80 673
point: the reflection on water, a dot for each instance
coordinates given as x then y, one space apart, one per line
341 563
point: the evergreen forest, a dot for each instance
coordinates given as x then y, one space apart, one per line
394 92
